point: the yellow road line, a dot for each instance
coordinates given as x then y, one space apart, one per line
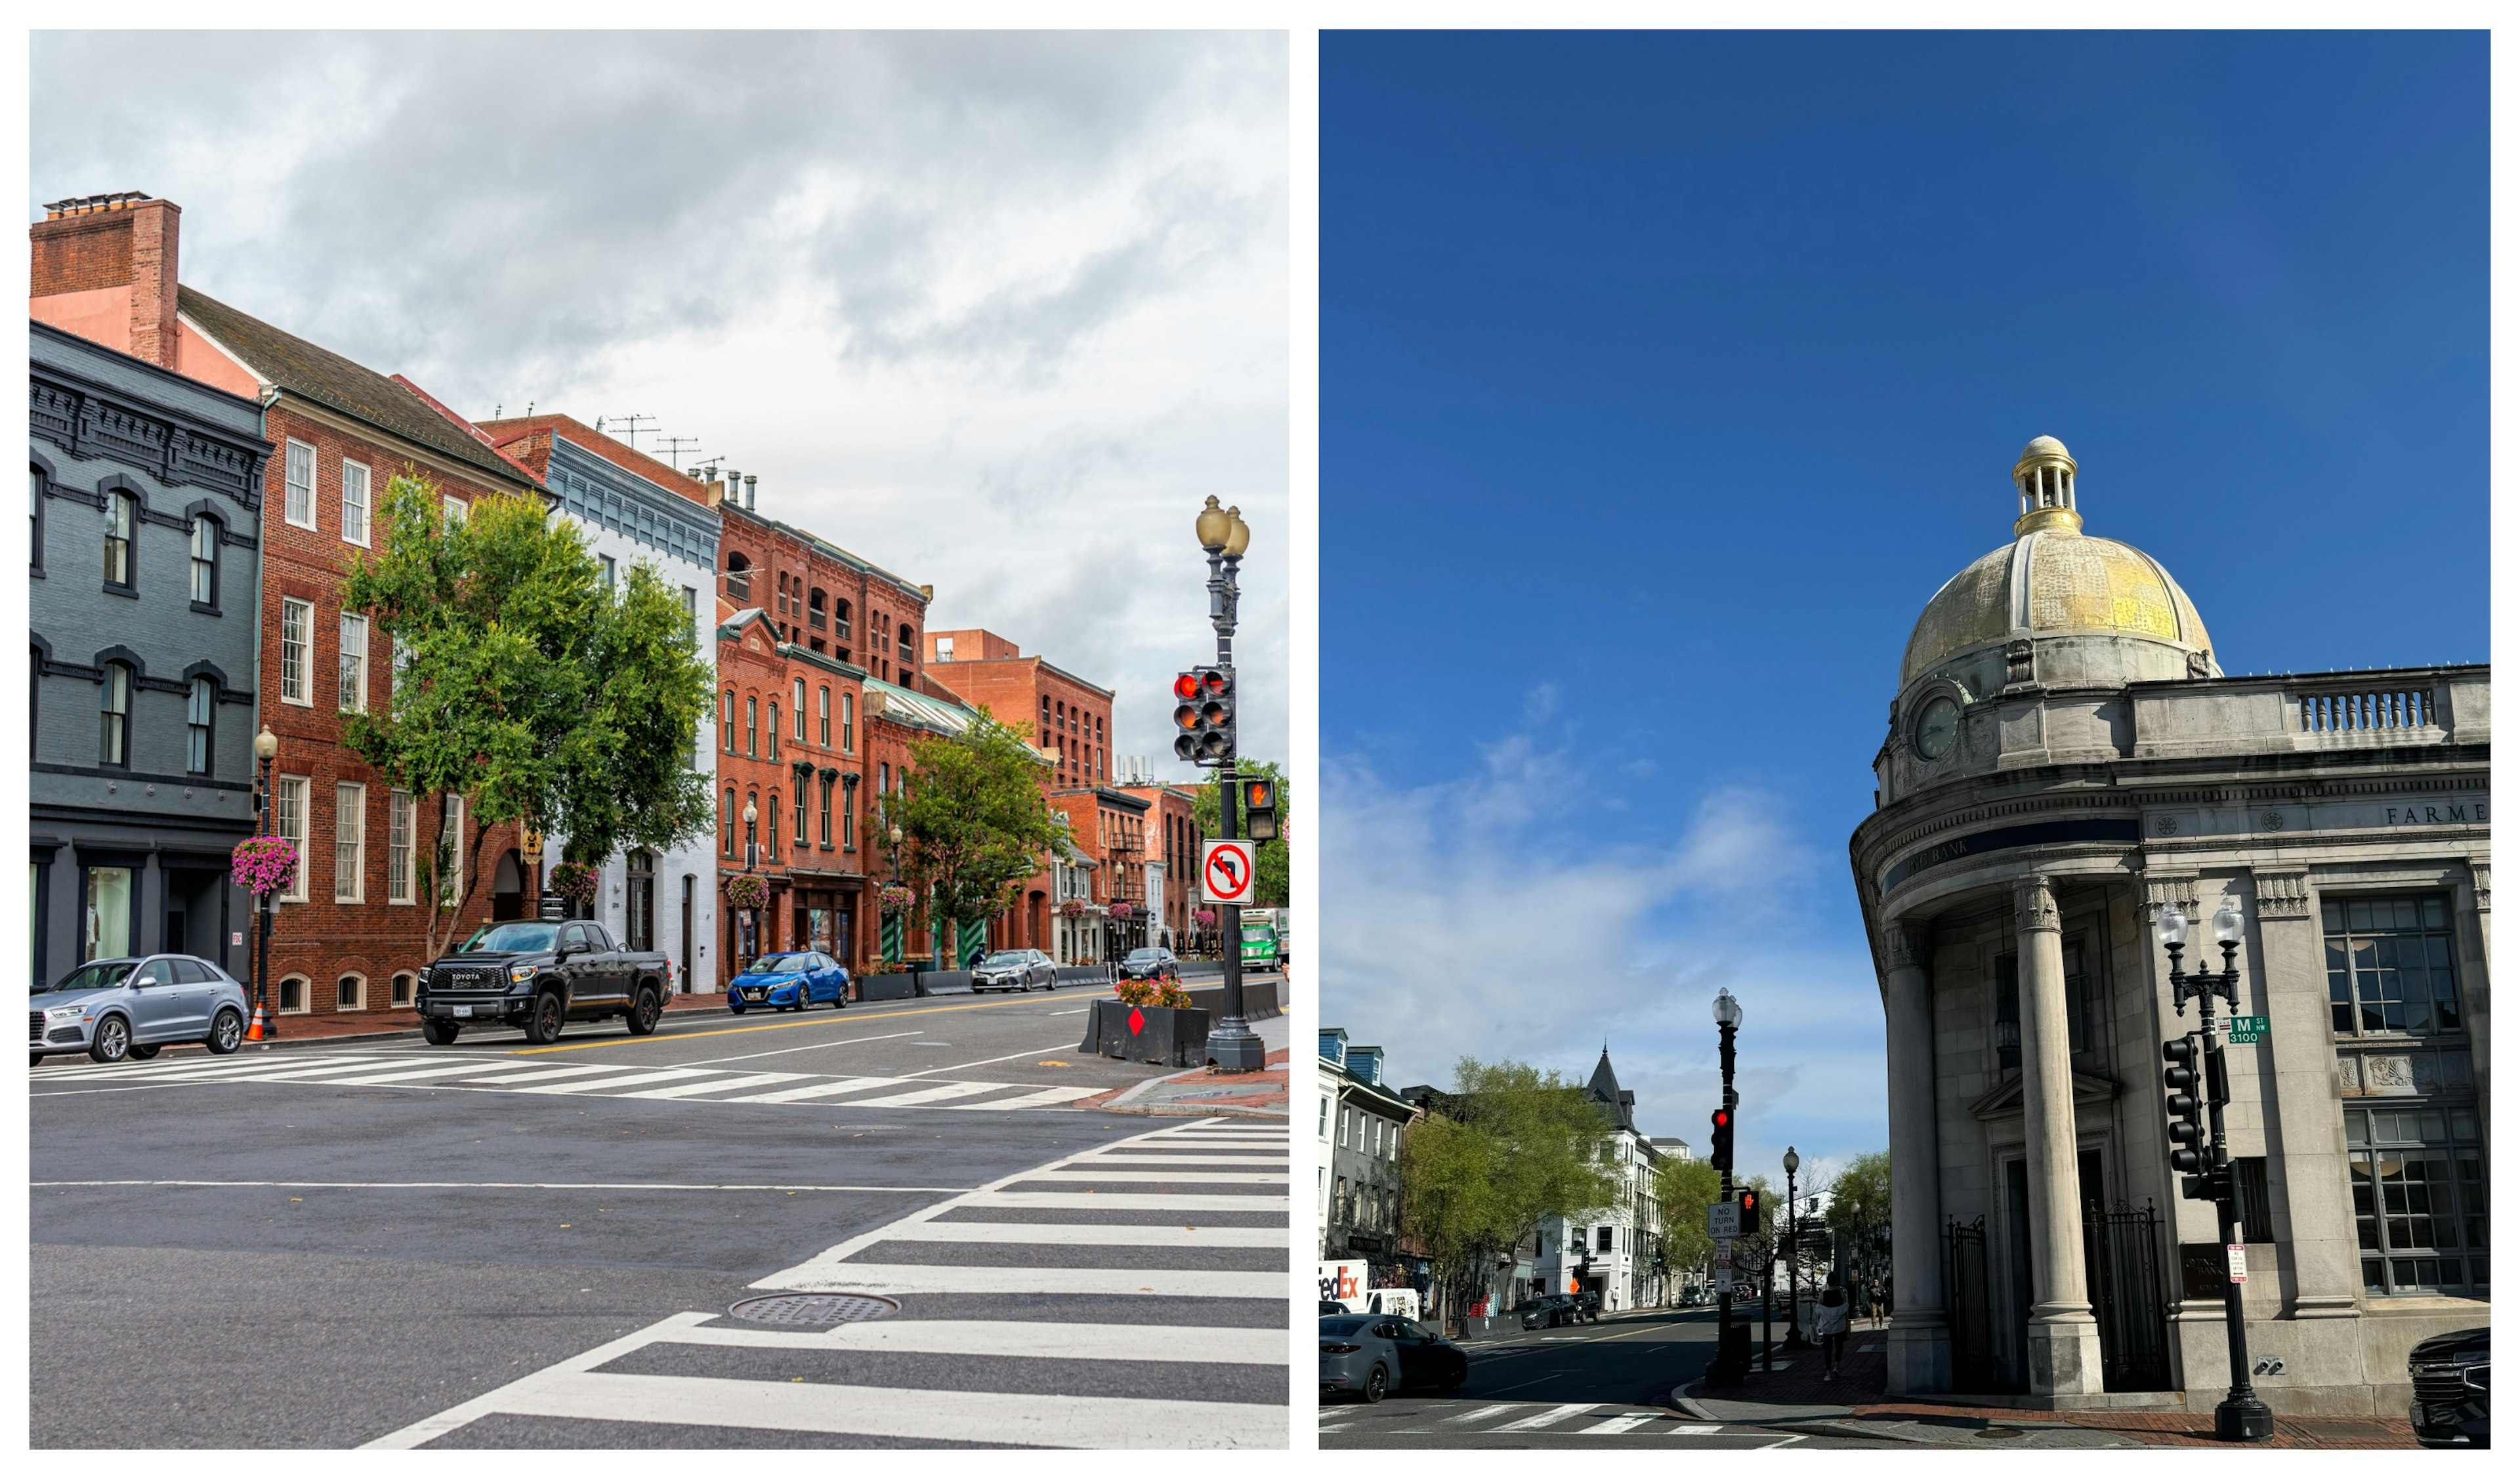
839 1019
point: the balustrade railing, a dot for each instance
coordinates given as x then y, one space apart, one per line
2331 713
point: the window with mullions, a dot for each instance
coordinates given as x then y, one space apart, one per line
2419 1205
2007 1006
2389 965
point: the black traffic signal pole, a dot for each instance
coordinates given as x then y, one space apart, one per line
1233 1046
2241 1416
1732 1356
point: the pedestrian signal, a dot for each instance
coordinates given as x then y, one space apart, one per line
1260 810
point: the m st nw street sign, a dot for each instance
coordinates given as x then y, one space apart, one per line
1226 875
2245 1030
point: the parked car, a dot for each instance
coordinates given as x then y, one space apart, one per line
1588 1306
1148 963
1334 1307
1016 970
538 974
2450 1374
1547 1313
134 1007
789 981
1371 1356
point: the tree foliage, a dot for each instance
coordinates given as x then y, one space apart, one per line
1683 1192
519 684
974 822
1859 1209
1519 1148
1269 889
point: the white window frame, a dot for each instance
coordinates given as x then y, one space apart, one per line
363 505
800 713
351 841
848 725
400 816
359 1001
291 500
456 508
354 664
451 815
304 995
288 795
605 562
398 992
295 685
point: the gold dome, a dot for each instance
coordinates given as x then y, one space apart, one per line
2052 581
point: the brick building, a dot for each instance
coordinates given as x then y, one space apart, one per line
1171 863
352 935
1108 826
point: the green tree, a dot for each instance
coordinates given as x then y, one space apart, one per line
1683 1192
974 822
521 684
1269 890
1515 1146
1859 1209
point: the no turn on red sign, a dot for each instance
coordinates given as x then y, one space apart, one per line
1225 871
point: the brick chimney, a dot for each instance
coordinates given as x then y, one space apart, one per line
94 244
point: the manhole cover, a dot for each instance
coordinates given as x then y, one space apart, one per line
812 1309
2002 1434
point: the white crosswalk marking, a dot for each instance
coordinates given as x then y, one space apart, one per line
1620 1424
1542 1419
1494 1410
479 1074
1031 1405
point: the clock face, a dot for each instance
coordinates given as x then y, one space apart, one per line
1937 726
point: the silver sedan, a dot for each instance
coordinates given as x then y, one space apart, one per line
134 1007
1358 1357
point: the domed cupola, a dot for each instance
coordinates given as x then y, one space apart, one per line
2057 606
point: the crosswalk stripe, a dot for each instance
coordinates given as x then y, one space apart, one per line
529 1073
1091 1234
984 1279
1074 1201
813 1091
1127 1177
407 1074
1620 1424
1692 1431
1201 1344
1278 1159
1014 1418
1492 1411
928 1096
1545 1418
1033 1100
585 1086
205 1068
715 1086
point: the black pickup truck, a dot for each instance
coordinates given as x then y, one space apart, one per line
538 974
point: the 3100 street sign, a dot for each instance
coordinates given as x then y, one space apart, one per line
2245 1030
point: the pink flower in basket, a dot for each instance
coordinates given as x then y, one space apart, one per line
576 881
264 864
746 891
1124 910
1204 915
894 898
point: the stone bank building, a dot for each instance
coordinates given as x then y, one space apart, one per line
2066 758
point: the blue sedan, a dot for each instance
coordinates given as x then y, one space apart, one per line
790 982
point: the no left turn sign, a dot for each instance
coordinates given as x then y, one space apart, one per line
1225 871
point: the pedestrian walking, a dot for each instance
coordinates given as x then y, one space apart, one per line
1828 1322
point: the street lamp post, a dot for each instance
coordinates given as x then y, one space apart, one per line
2240 1416
266 748
1793 1257
1233 1046
1732 1346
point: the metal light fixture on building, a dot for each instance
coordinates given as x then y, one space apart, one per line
2171 928
2228 923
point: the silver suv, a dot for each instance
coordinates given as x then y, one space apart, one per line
135 1005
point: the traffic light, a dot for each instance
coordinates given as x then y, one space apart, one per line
1260 810
1719 1150
1204 716
2187 1110
1749 1201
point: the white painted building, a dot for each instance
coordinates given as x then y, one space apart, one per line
1610 1250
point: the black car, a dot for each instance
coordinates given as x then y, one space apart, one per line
1547 1313
1426 1359
538 974
1148 963
2449 1372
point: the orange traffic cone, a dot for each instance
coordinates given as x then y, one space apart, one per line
254 1034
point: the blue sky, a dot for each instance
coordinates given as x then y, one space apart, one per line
1665 376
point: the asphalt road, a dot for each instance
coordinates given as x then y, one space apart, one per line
1592 1387
394 1231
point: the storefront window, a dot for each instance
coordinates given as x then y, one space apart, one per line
109 913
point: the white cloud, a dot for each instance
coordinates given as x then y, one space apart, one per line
994 311
1470 919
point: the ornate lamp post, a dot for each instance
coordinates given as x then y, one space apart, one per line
1223 534
1732 1346
2240 1416
266 748
1793 1258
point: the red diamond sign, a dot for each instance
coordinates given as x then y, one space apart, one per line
1137 1021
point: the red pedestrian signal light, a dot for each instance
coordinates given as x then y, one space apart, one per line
1260 810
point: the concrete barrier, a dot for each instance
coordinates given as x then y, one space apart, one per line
885 988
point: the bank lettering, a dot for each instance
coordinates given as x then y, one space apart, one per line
2437 815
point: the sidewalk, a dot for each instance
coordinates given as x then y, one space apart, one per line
1795 1395
1202 1090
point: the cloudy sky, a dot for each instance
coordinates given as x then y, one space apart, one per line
996 312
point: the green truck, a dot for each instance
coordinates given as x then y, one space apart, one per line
1264 939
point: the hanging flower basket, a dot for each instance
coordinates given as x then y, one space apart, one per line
264 864
746 891
576 882
1124 910
1076 908
894 899
1204 916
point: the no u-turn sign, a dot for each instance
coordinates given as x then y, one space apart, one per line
1225 871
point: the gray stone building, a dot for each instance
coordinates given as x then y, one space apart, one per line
144 497
2065 759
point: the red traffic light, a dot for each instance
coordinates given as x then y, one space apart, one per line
1185 687
1722 1119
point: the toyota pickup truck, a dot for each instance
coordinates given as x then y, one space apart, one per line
538 974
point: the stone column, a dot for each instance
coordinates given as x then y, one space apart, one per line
2306 1131
1920 1340
2064 1339
2482 876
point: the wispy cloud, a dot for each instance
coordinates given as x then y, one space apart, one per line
1480 917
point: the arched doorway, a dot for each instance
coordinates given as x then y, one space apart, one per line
508 888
